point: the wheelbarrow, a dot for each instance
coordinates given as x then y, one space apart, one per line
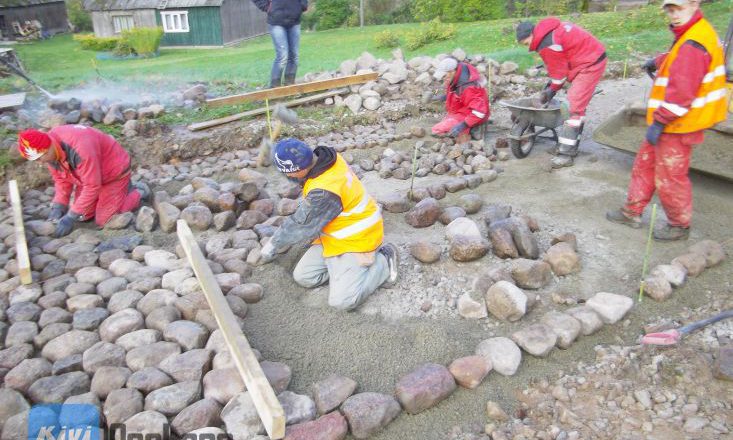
529 122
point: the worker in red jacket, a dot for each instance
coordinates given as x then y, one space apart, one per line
571 54
688 96
466 100
91 165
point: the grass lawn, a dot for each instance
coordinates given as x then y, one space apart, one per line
59 63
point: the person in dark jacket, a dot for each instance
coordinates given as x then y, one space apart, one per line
466 100
283 22
341 220
571 54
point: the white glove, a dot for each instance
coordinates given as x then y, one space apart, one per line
267 253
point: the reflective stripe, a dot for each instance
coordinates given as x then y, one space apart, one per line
567 141
654 103
712 97
718 71
357 227
555 47
478 114
661 81
674 108
558 81
573 122
358 209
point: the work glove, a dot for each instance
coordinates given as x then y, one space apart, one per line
66 224
546 95
653 132
57 211
457 129
439 98
650 66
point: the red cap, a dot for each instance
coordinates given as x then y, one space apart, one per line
32 144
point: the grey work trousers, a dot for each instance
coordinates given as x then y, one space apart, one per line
350 283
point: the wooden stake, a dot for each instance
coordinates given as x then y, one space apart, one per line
295 89
645 266
268 407
260 111
21 247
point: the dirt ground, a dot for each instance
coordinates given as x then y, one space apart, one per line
389 335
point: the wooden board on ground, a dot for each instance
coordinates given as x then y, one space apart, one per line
268 407
21 247
13 100
261 111
295 89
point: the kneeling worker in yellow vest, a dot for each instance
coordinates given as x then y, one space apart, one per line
342 220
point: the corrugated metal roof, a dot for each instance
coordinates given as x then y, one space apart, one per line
17 3
122 5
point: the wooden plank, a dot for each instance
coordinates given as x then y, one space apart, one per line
21 247
261 111
11 101
295 89
268 407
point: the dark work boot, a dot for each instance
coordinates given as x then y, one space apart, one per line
275 82
671 233
289 80
623 217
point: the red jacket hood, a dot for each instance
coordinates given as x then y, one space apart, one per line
465 73
543 28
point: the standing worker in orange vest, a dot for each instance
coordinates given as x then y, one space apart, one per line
688 97
343 220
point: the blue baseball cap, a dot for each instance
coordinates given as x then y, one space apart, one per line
292 155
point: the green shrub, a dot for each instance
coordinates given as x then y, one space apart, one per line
123 48
434 30
97 44
387 39
332 13
78 17
461 10
309 20
144 41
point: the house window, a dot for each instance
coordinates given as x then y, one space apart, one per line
175 21
122 23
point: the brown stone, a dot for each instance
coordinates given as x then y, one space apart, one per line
425 252
332 426
424 214
469 371
424 388
502 243
563 259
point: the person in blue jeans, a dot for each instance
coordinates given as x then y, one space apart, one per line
283 22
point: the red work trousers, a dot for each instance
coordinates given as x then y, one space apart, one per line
584 86
114 198
448 122
664 168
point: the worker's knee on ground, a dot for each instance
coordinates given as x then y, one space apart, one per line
345 303
307 281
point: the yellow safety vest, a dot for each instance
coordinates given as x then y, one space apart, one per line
710 106
359 227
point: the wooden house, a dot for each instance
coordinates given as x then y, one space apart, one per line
15 14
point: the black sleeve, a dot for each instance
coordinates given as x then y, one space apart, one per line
312 215
546 41
262 5
304 5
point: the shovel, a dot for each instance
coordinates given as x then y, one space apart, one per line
673 336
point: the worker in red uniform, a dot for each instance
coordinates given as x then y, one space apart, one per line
688 97
466 100
571 54
91 165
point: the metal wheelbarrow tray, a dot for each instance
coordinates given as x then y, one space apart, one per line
530 122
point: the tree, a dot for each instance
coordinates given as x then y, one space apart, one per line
79 18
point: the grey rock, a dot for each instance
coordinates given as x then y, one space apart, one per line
12 356
92 275
159 318
563 259
298 408
68 364
56 389
107 288
503 353
151 355
369 413
84 301
250 292
223 384
188 366
530 274
241 418
148 379
120 323
138 338
21 333
103 354
609 306
424 214
109 378
126 299
11 404
25 374
537 339
73 342
278 374
168 215
451 213
89 319
122 404
590 321
23 311
470 309
146 219
50 332
172 399
674 274
201 414
125 243
565 326
506 301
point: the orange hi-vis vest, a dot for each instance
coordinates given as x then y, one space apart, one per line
359 227
710 106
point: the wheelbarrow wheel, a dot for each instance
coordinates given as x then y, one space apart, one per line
521 149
